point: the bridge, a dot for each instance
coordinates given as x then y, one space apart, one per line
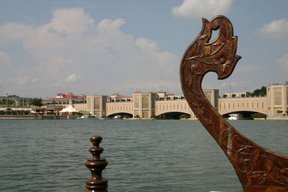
161 107
247 104
150 105
225 107
143 105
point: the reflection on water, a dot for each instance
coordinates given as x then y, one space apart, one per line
143 156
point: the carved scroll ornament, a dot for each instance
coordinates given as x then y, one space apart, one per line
258 169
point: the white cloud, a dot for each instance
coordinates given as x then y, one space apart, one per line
109 25
26 80
72 46
11 32
6 66
4 56
276 29
146 44
202 8
69 21
72 78
283 62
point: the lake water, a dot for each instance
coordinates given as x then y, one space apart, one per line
143 156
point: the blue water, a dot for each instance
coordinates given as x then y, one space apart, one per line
143 156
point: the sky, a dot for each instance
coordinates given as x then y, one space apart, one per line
96 47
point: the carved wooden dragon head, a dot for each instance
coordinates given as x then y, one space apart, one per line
258 169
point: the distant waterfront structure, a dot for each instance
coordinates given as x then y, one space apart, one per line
15 101
277 100
236 94
161 104
150 105
65 98
274 105
116 97
142 105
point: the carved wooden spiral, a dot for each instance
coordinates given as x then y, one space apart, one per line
258 169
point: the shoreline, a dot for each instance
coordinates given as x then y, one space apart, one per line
72 117
34 117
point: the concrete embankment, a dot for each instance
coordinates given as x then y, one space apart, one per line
16 117
33 117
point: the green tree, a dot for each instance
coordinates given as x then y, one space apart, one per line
259 92
36 102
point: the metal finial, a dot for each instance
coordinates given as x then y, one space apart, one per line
96 164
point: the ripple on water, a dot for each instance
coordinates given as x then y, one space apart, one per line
143 156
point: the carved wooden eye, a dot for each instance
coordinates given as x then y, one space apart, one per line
222 60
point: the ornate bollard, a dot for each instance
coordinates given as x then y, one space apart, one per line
258 169
96 164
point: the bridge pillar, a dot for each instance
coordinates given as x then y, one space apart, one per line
96 105
277 100
144 105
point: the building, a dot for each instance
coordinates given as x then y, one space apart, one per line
96 105
65 98
277 101
236 94
15 101
116 97
141 105
149 105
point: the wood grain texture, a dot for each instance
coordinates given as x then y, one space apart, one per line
258 169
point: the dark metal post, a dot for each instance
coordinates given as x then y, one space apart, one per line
96 164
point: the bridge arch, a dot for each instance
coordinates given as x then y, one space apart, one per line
247 114
241 111
120 115
174 106
174 115
248 104
119 108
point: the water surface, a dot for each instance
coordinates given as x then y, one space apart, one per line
143 156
